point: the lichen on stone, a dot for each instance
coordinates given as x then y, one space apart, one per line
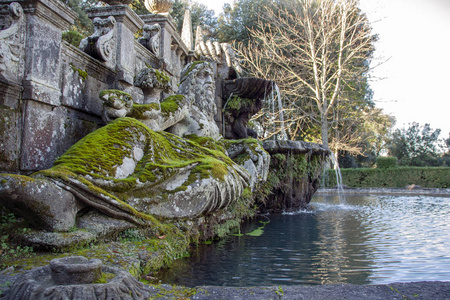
109 94
83 74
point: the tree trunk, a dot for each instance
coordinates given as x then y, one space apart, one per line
324 130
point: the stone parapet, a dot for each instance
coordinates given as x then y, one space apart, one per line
49 89
128 23
52 11
174 54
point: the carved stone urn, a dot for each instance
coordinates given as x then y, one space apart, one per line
158 6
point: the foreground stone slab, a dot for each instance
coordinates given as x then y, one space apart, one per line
422 290
409 290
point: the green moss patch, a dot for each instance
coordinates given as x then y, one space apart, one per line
162 77
138 110
171 104
94 162
237 103
83 74
192 67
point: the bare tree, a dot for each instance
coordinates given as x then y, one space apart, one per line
318 52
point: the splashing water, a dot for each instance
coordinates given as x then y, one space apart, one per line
339 184
276 116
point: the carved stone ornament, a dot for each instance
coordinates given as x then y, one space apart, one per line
152 82
249 92
76 277
158 6
151 38
102 44
12 32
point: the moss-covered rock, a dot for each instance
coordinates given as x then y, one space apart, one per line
143 173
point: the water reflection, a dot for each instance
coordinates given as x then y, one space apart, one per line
368 240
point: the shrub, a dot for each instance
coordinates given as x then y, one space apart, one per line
72 37
386 162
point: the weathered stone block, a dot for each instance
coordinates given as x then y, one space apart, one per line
45 21
38 136
80 91
83 77
49 132
72 127
9 139
9 93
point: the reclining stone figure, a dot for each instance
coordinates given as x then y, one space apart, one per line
128 171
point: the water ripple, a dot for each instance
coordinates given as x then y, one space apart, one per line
369 239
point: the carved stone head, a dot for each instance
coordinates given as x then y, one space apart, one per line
197 85
197 80
103 26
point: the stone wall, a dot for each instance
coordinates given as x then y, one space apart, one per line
49 89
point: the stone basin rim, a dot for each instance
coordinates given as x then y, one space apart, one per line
75 264
295 147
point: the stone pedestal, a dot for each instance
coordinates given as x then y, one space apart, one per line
128 23
46 20
76 277
174 53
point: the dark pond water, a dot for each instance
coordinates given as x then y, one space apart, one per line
371 239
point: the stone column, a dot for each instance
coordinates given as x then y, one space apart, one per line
128 23
38 77
12 39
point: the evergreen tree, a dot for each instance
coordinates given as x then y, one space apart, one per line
200 15
415 146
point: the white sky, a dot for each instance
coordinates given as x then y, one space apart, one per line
413 83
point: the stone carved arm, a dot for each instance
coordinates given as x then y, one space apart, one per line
256 161
101 44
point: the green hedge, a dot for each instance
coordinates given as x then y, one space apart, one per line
387 162
427 177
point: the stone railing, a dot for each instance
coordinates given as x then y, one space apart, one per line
49 90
